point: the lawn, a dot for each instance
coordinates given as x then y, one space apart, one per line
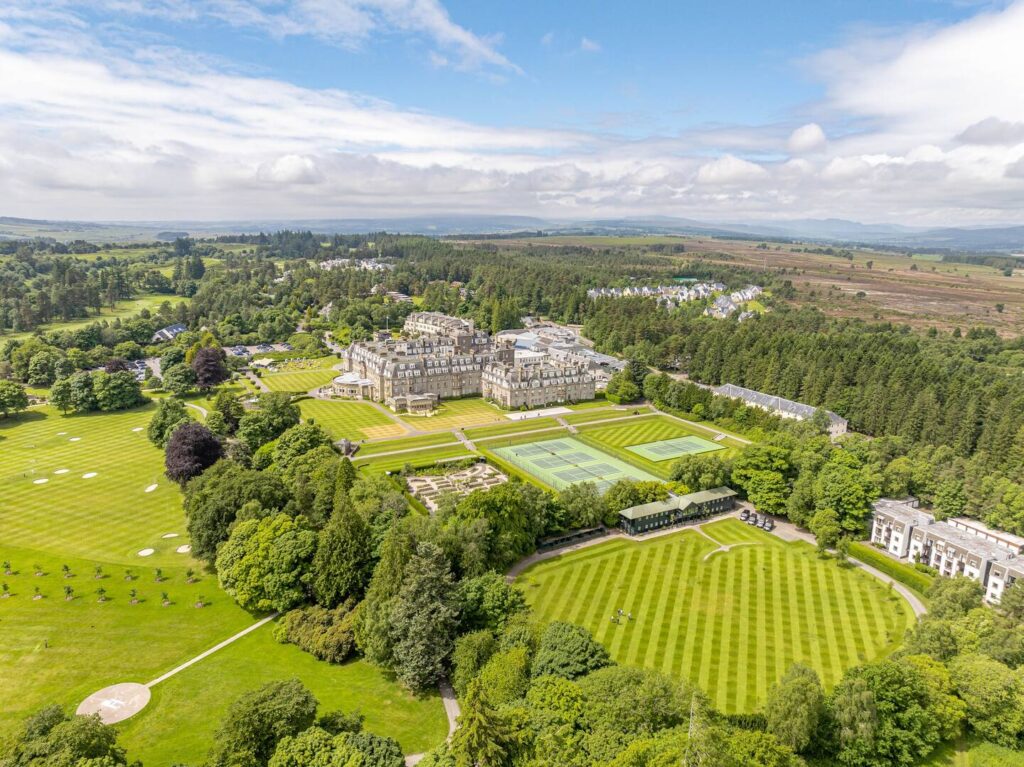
110 516
424 457
123 310
301 375
406 443
616 437
732 623
457 414
589 416
180 721
515 427
350 420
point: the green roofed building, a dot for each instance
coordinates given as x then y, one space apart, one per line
676 510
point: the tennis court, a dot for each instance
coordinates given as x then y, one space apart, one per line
673 448
563 462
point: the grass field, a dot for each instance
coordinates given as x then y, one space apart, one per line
564 461
302 376
179 723
972 754
732 623
350 420
615 438
423 457
589 416
514 427
407 443
109 516
457 414
123 310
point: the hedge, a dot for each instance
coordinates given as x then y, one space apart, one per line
905 574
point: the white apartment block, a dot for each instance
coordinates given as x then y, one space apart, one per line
954 547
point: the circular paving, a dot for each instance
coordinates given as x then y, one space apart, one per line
115 703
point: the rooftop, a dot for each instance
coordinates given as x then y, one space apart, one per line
676 502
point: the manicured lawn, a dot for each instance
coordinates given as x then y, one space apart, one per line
590 416
972 754
350 420
406 443
123 310
562 461
423 457
457 414
179 724
58 651
299 381
109 516
732 623
616 437
501 429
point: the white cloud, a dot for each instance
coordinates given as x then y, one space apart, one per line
589 46
807 138
729 170
547 39
992 130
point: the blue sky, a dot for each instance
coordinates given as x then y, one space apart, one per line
903 111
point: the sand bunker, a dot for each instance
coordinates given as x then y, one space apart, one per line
62 471
89 475
184 549
169 535
40 481
75 439
137 428
146 552
151 488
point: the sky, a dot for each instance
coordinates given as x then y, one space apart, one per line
895 111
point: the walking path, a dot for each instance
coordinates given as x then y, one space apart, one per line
255 380
461 436
451 710
572 429
196 407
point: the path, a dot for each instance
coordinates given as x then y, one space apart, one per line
197 407
451 710
255 380
572 429
461 436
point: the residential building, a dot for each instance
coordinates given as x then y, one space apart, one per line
1001 577
893 523
676 510
782 407
169 333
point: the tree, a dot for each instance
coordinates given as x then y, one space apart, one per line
994 696
209 367
472 651
701 471
179 379
191 449
264 562
83 394
297 441
343 563
12 398
627 493
568 651
212 501
116 391
230 408
767 490
170 413
584 505
482 738
488 601
952 598
326 634
52 739
60 395
795 709
424 618
257 721
825 526
276 413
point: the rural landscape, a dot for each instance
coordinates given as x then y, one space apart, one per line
389 383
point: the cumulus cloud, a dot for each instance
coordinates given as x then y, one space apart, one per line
806 138
992 130
730 170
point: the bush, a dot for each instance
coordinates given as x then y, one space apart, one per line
324 634
905 574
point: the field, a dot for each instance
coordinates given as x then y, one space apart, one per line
514 427
406 443
425 457
169 731
110 516
616 438
457 414
732 623
350 420
302 376
56 650
562 462
123 310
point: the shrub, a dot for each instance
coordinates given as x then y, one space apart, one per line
324 634
905 574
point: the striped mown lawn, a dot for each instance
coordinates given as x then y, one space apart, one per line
299 381
424 457
406 443
515 427
732 622
457 414
105 495
616 437
350 420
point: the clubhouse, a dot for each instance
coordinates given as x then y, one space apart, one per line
957 546
676 510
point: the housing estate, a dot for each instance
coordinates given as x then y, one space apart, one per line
957 546
785 408
443 357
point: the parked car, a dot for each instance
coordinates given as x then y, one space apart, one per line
744 514
769 525
752 520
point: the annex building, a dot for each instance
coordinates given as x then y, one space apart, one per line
958 546
441 357
785 408
676 510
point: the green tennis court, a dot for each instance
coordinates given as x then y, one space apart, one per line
673 448
563 462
